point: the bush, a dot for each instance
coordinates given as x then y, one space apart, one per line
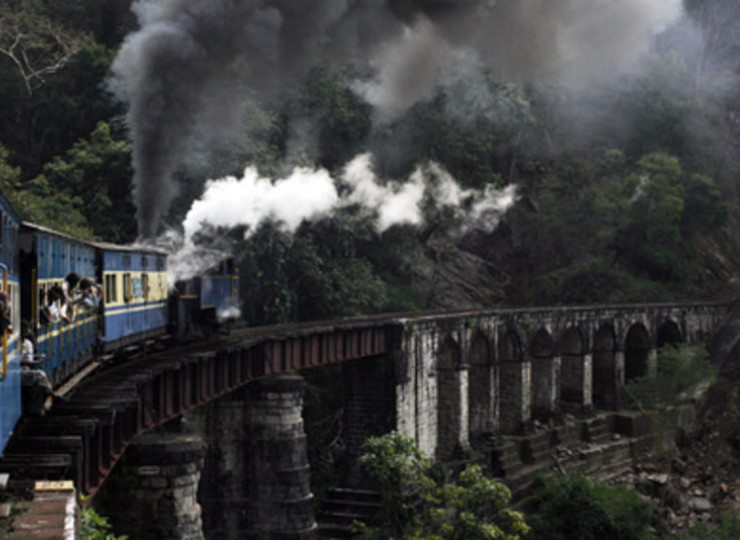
575 507
680 370
415 506
93 526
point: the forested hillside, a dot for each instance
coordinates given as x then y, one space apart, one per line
627 184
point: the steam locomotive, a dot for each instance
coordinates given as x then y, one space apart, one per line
130 302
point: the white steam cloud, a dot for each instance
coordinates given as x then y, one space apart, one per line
231 201
308 194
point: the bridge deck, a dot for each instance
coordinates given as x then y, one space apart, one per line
88 433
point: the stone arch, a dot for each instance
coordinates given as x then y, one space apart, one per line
513 408
669 334
574 371
449 406
544 381
637 349
607 377
482 394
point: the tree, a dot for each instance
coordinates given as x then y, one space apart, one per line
341 120
329 276
415 506
477 145
36 45
96 172
681 370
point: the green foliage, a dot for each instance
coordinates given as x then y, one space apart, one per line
96 174
616 230
264 282
574 507
651 240
93 526
728 529
473 144
342 117
680 369
9 175
264 140
39 203
415 506
705 208
86 194
314 274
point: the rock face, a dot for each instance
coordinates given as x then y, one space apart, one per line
153 492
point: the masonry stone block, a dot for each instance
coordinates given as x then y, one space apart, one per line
279 499
139 496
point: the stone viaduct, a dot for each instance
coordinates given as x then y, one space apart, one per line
479 374
446 379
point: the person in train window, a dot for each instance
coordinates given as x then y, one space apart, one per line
69 285
57 302
89 297
70 282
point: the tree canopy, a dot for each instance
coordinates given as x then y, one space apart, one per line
626 191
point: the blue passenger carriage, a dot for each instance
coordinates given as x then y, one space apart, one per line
10 370
65 333
135 294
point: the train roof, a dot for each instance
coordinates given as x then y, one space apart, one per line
137 248
99 245
46 230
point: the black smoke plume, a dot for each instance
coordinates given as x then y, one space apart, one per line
199 59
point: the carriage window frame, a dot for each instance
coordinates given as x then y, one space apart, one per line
145 286
128 287
111 288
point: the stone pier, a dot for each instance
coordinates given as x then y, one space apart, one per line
280 503
223 487
151 495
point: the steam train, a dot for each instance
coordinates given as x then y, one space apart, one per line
133 303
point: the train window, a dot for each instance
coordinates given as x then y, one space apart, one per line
144 261
145 286
160 263
128 292
111 291
127 261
